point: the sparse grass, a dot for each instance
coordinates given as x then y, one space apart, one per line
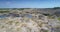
10 22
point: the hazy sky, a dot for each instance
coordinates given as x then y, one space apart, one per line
29 3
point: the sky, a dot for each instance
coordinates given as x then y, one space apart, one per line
29 3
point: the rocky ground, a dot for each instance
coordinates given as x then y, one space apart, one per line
27 24
28 21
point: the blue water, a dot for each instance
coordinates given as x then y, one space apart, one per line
2 16
29 16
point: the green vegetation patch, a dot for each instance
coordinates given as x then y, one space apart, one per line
59 18
4 11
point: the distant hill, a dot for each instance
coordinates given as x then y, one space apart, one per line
51 11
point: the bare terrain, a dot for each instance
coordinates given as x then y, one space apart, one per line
30 19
